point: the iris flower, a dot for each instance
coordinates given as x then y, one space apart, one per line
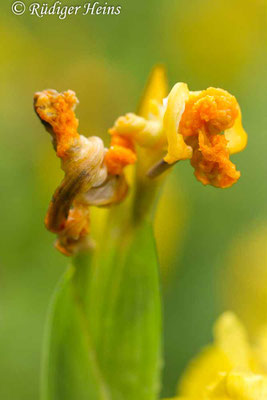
203 126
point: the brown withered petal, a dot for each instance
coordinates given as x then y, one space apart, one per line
87 180
62 200
112 191
74 236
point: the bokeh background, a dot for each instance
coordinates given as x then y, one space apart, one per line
212 243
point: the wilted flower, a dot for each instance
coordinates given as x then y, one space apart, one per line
202 126
87 178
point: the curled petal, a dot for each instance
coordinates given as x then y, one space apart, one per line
74 225
87 179
236 136
62 200
177 148
83 171
88 154
112 191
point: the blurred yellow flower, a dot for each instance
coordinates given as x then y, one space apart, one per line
230 369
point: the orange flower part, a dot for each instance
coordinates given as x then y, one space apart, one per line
57 110
211 161
213 110
206 116
120 154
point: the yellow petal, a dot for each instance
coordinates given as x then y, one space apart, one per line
231 350
177 149
236 136
231 338
156 90
240 386
203 371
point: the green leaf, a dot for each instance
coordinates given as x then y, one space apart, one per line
69 369
104 339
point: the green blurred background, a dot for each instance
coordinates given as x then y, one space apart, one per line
215 234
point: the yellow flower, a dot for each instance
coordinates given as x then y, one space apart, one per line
229 369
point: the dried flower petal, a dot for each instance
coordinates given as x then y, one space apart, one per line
211 161
83 169
212 110
73 237
112 191
207 114
57 110
87 179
